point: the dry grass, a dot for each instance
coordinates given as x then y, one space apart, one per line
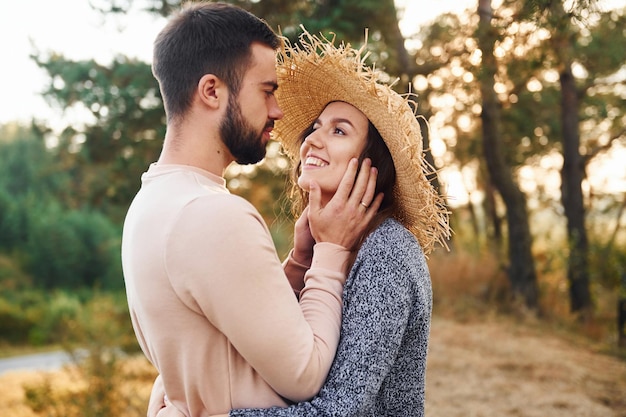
465 286
468 286
60 390
12 392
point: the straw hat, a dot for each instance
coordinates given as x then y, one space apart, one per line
316 73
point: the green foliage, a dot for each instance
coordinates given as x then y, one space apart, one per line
607 263
12 222
73 319
61 308
33 317
126 123
58 245
28 175
63 248
14 324
73 249
102 322
27 167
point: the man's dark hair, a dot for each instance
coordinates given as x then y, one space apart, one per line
205 38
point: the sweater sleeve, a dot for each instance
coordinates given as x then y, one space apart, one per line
378 301
247 296
295 272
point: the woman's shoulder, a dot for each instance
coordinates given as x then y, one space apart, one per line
392 228
391 256
393 238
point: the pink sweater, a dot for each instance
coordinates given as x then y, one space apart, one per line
211 305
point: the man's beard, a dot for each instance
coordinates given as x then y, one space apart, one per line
242 140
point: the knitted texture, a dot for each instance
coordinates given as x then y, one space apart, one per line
380 366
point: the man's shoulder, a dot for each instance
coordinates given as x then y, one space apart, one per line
229 206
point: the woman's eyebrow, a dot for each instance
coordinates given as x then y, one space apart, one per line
336 120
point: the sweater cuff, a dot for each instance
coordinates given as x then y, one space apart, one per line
330 256
295 272
295 264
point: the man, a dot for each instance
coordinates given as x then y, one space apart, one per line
210 303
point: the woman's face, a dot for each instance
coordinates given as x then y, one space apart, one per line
339 134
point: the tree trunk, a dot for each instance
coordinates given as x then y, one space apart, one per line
572 175
573 170
492 214
521 271
621 313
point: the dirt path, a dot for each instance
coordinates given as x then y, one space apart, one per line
492 368
496 369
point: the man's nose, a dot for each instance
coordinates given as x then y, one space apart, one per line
275 113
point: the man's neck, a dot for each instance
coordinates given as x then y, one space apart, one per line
202 151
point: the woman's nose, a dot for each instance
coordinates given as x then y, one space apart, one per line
313 139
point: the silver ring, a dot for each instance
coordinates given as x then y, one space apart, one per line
364 205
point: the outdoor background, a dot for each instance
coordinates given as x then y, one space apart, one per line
526 110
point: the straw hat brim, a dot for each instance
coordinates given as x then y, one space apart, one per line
315 73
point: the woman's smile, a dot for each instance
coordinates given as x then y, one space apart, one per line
314 161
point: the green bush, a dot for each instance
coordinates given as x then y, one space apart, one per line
50 327
15 325
74 249
68 318
13 221
36 318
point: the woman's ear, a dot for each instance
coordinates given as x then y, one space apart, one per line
211 90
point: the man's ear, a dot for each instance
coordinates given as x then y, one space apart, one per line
212 90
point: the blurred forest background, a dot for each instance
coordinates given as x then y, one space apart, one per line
526 102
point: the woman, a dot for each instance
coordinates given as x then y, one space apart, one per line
327 93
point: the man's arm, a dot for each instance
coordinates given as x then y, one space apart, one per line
291 345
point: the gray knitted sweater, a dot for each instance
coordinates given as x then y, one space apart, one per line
380 366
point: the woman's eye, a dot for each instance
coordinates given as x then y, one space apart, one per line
339 131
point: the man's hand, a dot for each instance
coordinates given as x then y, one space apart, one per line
346 216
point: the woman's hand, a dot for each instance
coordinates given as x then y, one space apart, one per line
303 240
346 216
